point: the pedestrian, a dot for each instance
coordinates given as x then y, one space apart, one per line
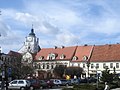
106 86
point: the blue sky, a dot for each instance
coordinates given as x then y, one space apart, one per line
59 22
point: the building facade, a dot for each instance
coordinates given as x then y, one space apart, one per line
30 48
92 58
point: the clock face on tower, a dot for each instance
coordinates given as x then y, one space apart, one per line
29 38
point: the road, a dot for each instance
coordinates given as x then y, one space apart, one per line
116 89
59 88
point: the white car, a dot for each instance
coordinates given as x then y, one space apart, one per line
56 82
19 84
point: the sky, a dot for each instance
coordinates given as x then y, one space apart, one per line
59 22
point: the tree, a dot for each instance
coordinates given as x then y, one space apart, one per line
74 71
107 76
59 70
26 70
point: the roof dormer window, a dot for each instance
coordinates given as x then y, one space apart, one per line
41 58
62 56
75 58
51 56
85 58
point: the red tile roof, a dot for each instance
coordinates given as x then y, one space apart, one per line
15 54
106 53
82 51
67 51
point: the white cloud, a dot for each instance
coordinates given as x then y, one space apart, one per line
67 38
65 22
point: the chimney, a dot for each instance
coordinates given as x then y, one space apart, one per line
62 47
55 47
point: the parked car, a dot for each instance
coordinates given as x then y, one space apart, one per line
43 83
92 80
19 84
65 82
35 84
74 81
56 82
84 80
50 83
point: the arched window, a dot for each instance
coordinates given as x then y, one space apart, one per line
75 58
51 56
85 58
41 58
62 56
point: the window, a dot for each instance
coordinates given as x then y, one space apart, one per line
117 65
92 65
14 82
97 66
78 65
41 58
83 65
51 56
52 67
39 66
111 65
20 82
62 56
72 64
85 58
43 66
75 58
47 66
104 65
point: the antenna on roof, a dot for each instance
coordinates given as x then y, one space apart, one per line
32 26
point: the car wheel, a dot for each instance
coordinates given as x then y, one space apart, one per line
31 88
67 85
41 87
22 88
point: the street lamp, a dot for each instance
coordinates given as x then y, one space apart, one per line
97 76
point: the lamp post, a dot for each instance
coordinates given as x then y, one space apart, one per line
5 75
97 77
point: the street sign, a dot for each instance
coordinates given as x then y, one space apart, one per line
9 71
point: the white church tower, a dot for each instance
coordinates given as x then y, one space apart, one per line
31 44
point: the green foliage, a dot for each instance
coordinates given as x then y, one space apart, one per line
25 70
107 76
74 71
59 70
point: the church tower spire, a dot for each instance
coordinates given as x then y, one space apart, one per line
31 43
32 32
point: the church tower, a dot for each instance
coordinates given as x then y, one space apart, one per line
31 44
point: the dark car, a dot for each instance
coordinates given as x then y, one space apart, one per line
92 80
65 82
50 83
74 81
35 84
43 83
